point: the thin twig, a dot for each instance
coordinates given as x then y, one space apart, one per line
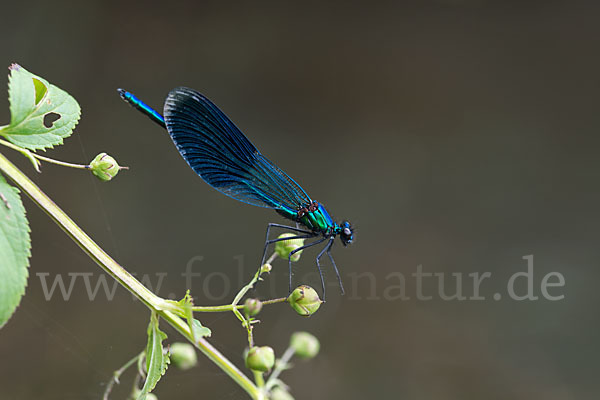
117 374
30 154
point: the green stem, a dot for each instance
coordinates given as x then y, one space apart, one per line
271 259
30 154
63 163
117 374
126 280
274 301
223 308
246 321
280 366
245 289
259 379
230 307
250 284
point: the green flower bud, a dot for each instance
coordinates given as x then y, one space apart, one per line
266 268
260 358
305 344
285 247
183 355
105 167
253 306
279 393
135 393
304 300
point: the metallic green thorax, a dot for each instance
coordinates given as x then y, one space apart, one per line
314 217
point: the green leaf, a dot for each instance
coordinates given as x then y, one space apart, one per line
186 304
34 106
157 360
198 330
15 248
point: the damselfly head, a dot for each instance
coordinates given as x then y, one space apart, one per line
346 233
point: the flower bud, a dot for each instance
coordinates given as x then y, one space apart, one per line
253 306
266 268
285 247
183 355
104 167
135 394
304 300
260 358
305 344
279 393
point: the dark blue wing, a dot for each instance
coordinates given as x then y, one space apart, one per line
217 151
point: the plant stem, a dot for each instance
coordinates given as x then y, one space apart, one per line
271 259
280 366
245 289
274 301
117 374
223 308
247 321
63 163
126 280
230 307
249 286
259 379
30 154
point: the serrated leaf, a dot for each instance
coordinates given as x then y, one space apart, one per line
15 246
157 360
32 100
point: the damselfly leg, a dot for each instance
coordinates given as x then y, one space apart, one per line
318 266
307 234
337 273
303 234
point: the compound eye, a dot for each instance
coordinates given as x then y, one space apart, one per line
347 231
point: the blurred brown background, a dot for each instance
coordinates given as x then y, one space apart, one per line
456 135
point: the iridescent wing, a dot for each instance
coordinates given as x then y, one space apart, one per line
217 151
